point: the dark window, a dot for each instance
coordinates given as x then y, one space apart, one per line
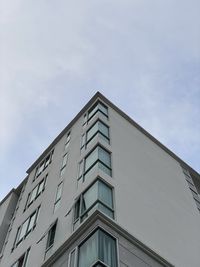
51 236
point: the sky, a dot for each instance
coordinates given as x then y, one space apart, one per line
143 55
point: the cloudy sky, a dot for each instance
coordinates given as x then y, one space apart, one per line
144 55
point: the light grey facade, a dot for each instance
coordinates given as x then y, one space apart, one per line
104 193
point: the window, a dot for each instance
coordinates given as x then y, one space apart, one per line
51 236
98 157
98 196
43 165
36 192
68 140
58 196
98 128
22 261
64 164
98 107
28 226
98 250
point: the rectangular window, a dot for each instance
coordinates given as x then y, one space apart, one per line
36 192
23 260
100 129
99 249
43 165
26 227
67 141
51 236
64 164
98 107
100 158
58 196
98 196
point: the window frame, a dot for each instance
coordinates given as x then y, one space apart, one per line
85 140
98 160
48 244
43 164
98 230
27 230
58 199
38 193
87 117
79 216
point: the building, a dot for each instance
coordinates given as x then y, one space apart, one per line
104 193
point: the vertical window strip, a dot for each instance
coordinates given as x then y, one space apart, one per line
58 196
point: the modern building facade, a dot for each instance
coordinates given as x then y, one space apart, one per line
104 193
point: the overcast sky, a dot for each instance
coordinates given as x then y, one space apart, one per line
144 55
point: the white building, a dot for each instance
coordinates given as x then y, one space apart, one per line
104 193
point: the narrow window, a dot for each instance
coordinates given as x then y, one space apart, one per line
67 141
51 236
64 163
58 196
99 248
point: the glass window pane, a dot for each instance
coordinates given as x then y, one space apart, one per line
23 229
33 194
104 156
62 171
105 194
92 131
89 197
64 160
88 251
47 160
105 210
91 158
56 205
93 111
104 168
51 236
103 108
80 169
41 186
77 210
31 222
107 249
103 129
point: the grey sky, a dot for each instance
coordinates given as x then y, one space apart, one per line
54 55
